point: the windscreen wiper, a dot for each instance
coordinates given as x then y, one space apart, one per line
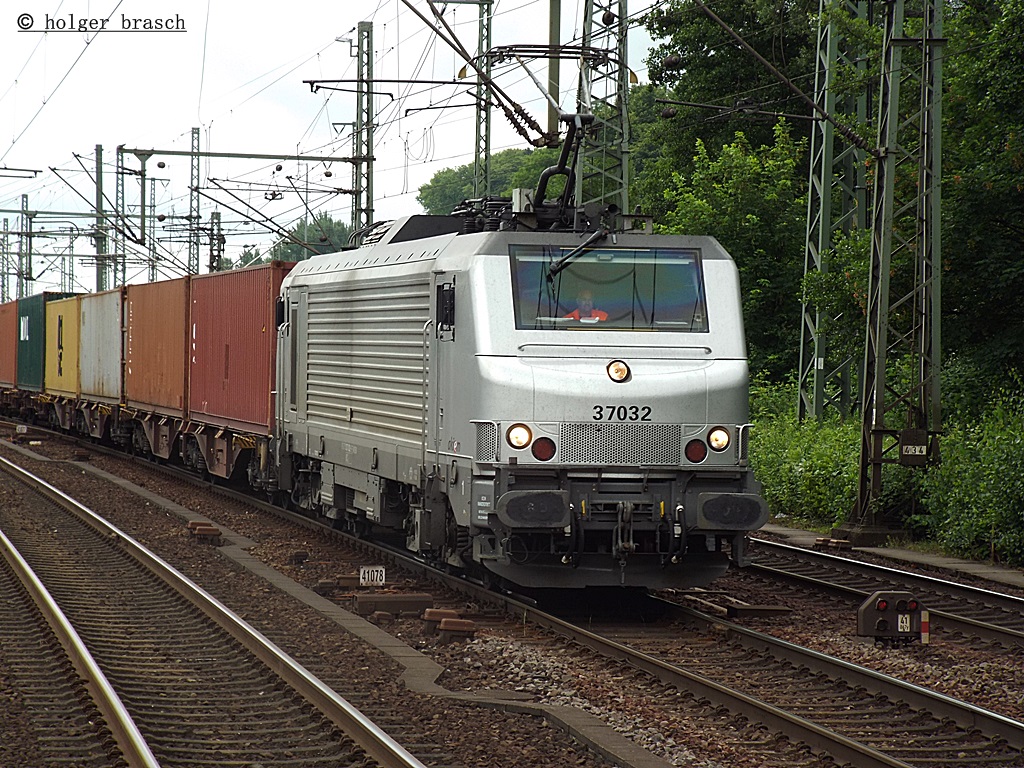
564 262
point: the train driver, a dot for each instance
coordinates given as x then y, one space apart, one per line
585 308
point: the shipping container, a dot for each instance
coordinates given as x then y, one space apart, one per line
62 333
233 347
8 344
156 320
32 339
101 345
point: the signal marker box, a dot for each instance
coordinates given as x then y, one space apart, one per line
891 617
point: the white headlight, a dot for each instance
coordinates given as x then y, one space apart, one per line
618 370
718 439
519 436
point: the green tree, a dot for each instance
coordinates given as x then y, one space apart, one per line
510 169
694 60
983 183
321 234
753 200
251 255
446 189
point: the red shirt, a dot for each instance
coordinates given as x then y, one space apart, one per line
596 314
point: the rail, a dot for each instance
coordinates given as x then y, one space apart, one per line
374 741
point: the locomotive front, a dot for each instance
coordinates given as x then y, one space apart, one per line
609 411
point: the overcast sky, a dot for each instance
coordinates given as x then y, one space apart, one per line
77 73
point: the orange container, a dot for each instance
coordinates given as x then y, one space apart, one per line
233 347
8 344
156 349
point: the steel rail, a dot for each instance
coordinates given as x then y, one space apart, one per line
843 749
1004 635
963 713
818 737
130 741
374 741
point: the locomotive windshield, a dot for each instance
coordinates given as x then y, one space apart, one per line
650 289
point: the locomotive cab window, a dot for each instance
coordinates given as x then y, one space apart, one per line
650 289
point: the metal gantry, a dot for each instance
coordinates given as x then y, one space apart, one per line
836 204
24 250
900 415
362 137
151 233
120 213
902 421
603 173
101 226
193 208
482 159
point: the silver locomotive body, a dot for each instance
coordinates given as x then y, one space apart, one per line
439 384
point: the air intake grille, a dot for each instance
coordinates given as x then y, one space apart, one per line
486 441
620 444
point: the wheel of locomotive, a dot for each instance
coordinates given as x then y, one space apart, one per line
360 527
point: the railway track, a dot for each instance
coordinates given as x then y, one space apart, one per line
44 654
971 611
202 686
843 712
852 714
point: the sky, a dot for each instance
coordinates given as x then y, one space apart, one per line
140 74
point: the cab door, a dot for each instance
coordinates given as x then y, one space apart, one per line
292 367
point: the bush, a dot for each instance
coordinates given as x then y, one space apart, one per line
808 470
975 497
972 504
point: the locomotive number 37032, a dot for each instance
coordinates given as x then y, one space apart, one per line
622 413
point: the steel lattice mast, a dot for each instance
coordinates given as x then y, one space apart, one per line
901 423
837 203
603 172
362 136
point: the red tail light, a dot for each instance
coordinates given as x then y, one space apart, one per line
696 451
543 449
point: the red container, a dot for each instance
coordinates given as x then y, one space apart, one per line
155 348
233 347
8 344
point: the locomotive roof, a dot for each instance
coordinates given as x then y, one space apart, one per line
425 237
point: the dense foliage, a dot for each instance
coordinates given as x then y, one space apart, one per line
753 200
975 498
808 470
983 183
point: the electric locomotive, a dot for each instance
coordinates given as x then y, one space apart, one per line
441 381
